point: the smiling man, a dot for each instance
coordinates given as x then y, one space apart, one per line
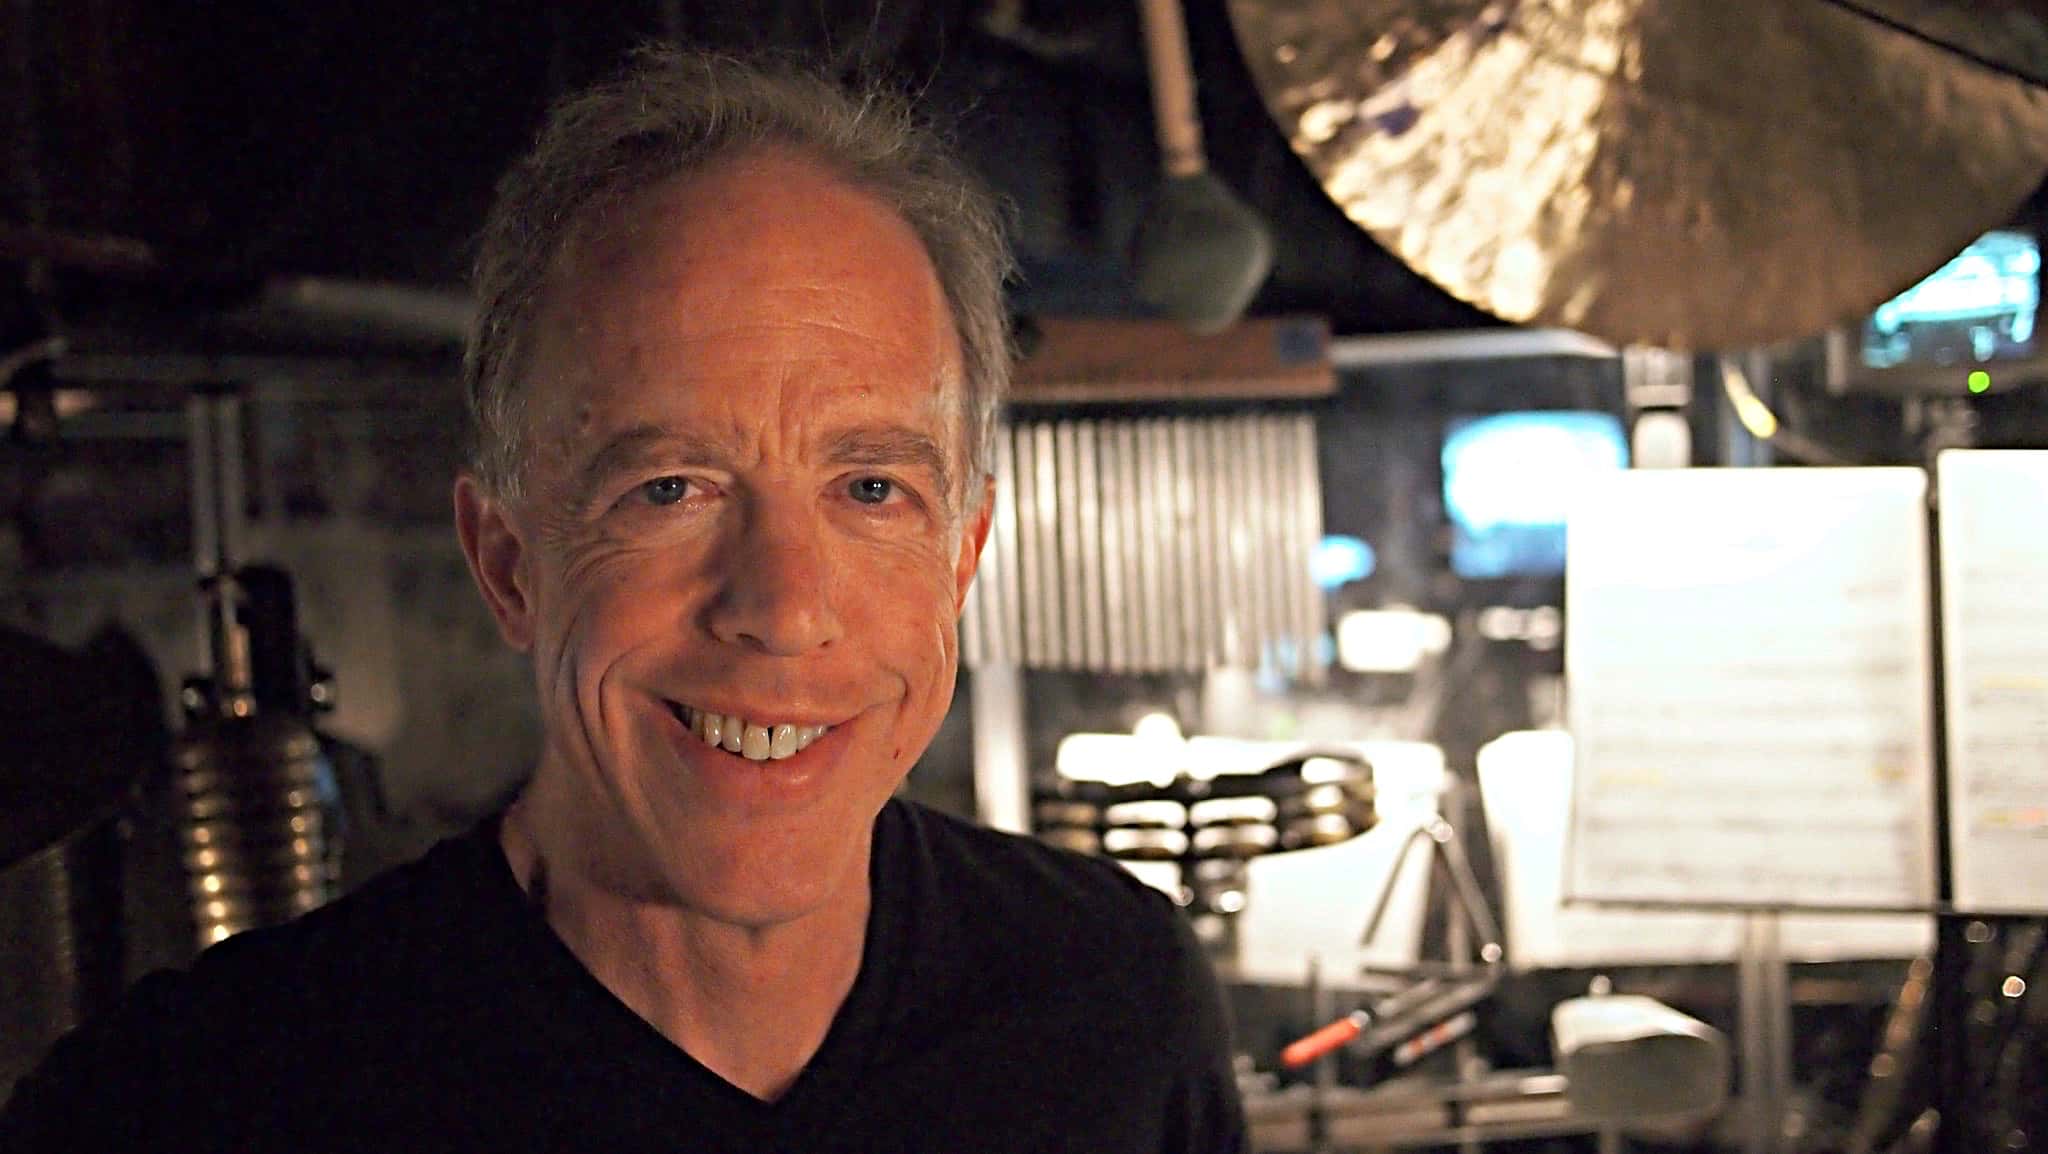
738 355
735 559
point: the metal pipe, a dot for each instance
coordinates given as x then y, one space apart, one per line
1308 510
1031 580
1046 477
1002 771
1764 1011
1073 583
1227 514
1007 560
1186 561
215 454
1162 607
1480 345
431 314
1139 557
1176 123
1265 556
1191 453
1090 502
1115 550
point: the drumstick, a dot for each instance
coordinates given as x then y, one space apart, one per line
1329 1038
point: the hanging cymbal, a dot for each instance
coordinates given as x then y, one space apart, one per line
1686 173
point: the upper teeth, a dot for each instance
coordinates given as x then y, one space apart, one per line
754 742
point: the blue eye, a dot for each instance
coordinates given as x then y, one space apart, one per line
871 490
665 490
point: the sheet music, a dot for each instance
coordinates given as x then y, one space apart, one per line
1525 783
1748 663
1994 566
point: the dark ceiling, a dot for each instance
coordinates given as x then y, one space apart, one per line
359 138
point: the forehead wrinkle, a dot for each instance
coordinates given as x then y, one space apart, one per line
777 332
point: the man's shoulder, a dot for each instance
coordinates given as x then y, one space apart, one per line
409 918
1022 895
288 1013
409 935
1021 867
1086 988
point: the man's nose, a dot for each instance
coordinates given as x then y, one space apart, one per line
777 588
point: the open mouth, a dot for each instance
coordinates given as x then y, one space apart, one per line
744 737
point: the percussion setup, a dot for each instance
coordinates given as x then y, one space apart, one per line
1212 827
1667 176
241 808
1315 799
258 803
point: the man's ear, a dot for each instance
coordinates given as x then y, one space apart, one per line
972 538
497 560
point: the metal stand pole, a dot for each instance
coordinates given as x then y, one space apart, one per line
1458 951
1002 770
1322 1007
1954 1112
1764 1009
214 423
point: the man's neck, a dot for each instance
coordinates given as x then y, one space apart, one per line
752 1004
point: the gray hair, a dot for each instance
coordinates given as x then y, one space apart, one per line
672 113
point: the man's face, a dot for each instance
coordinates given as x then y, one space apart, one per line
747 440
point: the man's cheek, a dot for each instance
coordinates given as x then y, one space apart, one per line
904 628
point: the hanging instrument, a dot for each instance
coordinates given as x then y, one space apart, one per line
1690 174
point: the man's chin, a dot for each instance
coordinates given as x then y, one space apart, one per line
762 874
756 904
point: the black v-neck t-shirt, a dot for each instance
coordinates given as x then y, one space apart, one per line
1011 996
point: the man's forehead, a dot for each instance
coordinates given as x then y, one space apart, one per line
757 210
586 408
760 239
832 305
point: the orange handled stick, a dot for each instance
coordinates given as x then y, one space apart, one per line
1323 1041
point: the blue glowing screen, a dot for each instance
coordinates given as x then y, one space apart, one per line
1340 560
1978 307
1509 481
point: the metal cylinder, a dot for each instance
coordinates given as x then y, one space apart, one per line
258 829
60 922
79 730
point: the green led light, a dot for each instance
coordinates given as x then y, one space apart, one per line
1979 381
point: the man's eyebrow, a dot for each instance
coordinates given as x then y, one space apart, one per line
896 445
634 446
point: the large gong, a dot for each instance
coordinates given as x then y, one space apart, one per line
1684 173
